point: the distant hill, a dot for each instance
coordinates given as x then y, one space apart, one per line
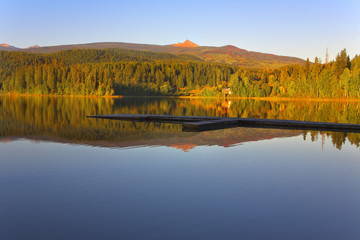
7 47
103 45
235 56
35 46
13 59
226 54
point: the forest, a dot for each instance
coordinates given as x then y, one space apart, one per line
129 72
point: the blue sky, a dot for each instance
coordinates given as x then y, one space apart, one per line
293 28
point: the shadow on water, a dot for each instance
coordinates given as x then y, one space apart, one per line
63 119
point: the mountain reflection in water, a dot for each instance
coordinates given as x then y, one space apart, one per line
222 187
63 119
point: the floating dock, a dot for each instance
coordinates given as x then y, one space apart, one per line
198 124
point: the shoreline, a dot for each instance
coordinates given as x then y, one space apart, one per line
194 97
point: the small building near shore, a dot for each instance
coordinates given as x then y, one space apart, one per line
226 91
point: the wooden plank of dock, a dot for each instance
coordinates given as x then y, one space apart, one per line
270 123
199 123
155 118
299 125
210 125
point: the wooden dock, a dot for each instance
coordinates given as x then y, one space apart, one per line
197 124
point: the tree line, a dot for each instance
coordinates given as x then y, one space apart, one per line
337 79
130 72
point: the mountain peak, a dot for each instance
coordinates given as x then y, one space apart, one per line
7 47
35 46
187 43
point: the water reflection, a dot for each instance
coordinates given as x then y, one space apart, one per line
63 119
188 188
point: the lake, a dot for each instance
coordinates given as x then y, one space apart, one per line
65 176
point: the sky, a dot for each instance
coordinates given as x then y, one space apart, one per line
302 29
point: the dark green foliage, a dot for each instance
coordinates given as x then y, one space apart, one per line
338 79
130 72
103 72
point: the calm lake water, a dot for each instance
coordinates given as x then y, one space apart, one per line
64 176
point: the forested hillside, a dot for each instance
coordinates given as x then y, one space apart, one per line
225 55
130 72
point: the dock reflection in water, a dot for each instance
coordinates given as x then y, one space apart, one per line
63 119
153 181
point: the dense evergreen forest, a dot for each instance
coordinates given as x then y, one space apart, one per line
130 72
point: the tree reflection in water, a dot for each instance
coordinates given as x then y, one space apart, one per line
63 119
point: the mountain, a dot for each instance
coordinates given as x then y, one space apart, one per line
35 46
236 56
187 44
102 45
7 47
226 54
